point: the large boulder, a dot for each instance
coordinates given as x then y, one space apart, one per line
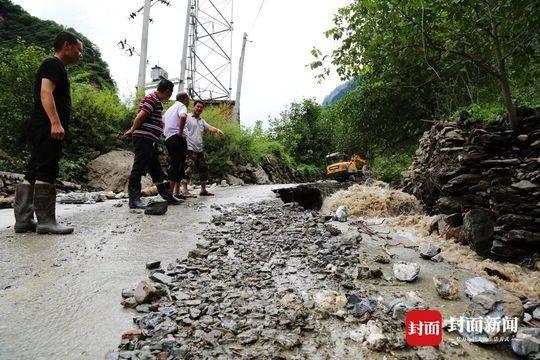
479 227
261 177
278 171
492 307
110 172
234 181
527 343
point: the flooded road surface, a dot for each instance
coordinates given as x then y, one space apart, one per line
60 296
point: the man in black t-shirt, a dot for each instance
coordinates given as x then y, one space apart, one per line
46 130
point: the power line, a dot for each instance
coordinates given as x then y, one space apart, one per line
257 16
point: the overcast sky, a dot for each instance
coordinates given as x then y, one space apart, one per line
275 67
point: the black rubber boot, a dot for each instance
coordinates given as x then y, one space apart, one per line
45 207
24 208
134 192
164 190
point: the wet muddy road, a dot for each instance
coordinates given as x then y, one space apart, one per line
60 296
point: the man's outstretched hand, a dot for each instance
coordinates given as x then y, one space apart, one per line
129 133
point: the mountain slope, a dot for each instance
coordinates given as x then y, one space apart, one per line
340 91
16 23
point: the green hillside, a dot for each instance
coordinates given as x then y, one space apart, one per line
16 23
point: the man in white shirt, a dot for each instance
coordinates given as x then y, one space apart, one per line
196 159
174 122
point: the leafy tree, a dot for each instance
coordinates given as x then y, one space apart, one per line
376 119
452 47
17 70
299 129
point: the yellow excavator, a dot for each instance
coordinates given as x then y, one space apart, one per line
342 168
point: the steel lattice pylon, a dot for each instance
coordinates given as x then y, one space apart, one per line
209 74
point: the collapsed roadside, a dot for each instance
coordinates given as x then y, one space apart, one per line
276 280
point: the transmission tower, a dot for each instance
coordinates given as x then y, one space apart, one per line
209 74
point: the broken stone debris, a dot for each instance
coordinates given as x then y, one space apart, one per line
478 285
429 250
447 288
156 208
268 280
152 265
527 343
372 334
341 214
144 292
233 295
406 271
494 306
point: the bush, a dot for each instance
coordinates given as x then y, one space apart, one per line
18 65
485 112
390 168
309 172
238 145
98 119
74 168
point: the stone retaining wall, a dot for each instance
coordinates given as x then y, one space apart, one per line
484 167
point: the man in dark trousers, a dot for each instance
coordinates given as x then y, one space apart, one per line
146 131
174 121
46 130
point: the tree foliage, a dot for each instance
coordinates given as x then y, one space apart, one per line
416 60
460 50
300 130
375 119
18 65
15 23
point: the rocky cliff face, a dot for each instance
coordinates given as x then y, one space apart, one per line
491 168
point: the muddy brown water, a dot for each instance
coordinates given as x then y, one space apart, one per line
60 296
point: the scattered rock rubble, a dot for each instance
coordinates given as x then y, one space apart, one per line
9 180
485 180
275 281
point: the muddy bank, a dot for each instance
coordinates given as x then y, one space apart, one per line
310 195
517 279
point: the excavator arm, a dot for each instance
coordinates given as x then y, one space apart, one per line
356 158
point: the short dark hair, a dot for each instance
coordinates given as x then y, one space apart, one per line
182 96
165 85
62 38
199 102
